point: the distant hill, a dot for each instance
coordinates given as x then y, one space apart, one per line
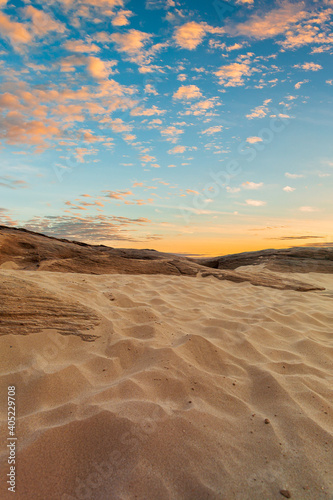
26 250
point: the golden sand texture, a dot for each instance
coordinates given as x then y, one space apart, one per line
189 388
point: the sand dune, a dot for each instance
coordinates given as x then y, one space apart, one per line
158 387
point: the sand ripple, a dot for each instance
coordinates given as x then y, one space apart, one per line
169 399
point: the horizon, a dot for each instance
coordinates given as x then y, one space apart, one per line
183 254
195 130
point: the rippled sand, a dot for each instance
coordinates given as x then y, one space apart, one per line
158 387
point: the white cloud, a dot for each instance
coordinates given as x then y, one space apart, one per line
293 176
252 185
255 203
288 189
308 209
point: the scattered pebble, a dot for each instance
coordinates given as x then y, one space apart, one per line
267 421
285 493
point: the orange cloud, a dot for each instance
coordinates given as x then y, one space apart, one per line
118 195
16 33
42 23
133 43
177 150
190 35
232 75
97 68
212 130
154 110
253 140
81 47
310 66
275 22
187 92
15 129
121 18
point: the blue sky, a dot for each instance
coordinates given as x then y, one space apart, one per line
191 127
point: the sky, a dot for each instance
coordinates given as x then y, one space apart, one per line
200 128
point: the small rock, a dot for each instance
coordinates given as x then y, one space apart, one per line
267 421
285 493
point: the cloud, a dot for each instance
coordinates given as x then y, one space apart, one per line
117 195
298 84
147 158
171 131
254 139
259 111
134 44
118 125
233 75
293 176
16 33
93 229
308 209
154 110
271 24
16 129
42 23
298 238
201 107
288 189
309 66
22 34
212 130
252 185
131 42
255 203
150 89
187 92
97 68
121 18
81 46
12 183
314 29
233 189
190 35
177 150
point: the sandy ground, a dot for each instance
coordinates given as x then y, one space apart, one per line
158 387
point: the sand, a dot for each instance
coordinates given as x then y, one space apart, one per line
159 387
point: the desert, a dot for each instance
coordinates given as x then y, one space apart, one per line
162 383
